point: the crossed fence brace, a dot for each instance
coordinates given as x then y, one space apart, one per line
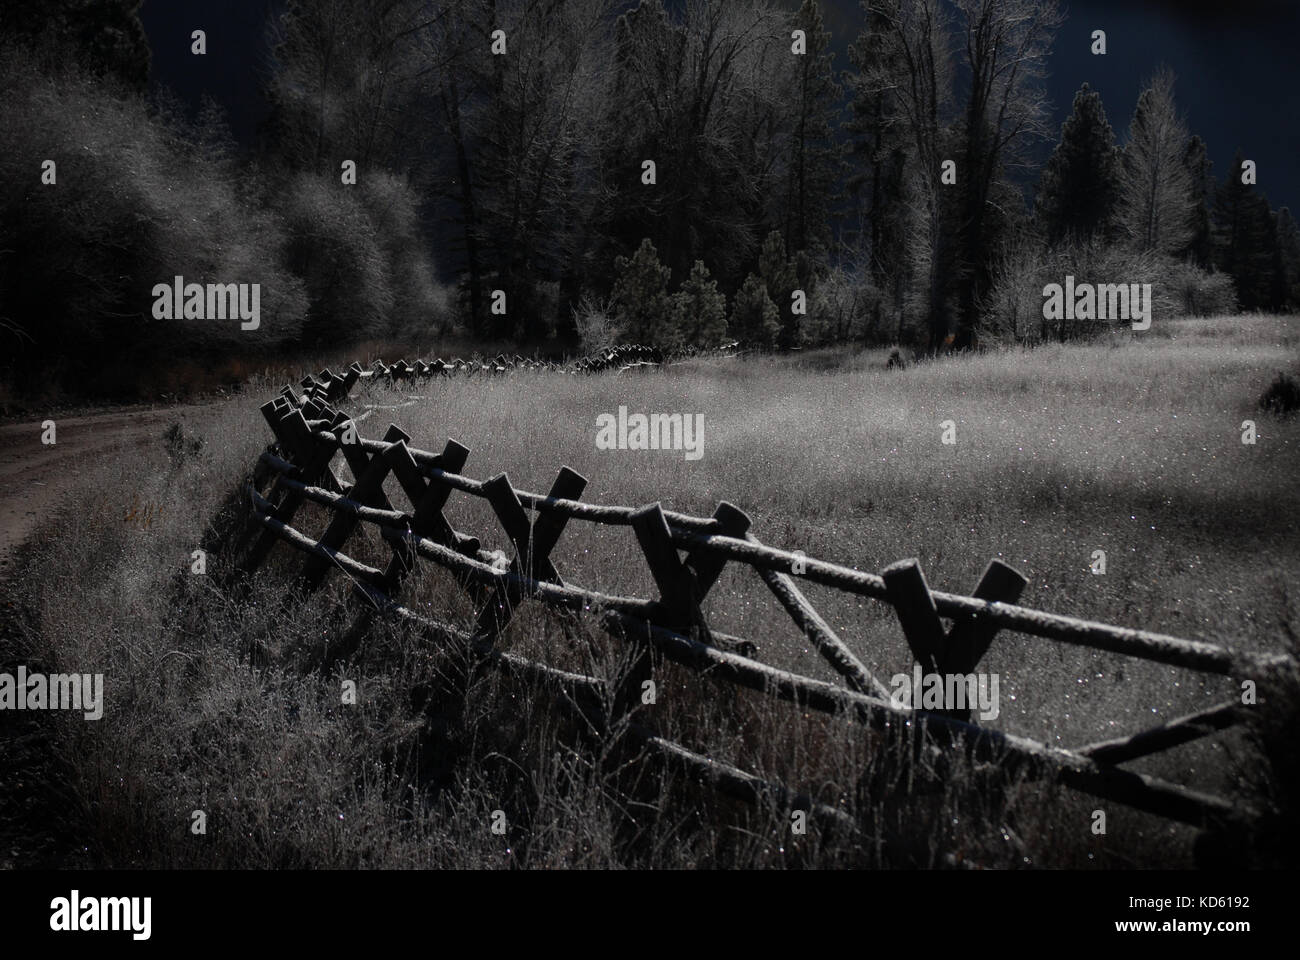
310 433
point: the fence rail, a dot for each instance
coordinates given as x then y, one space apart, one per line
334 387
310 434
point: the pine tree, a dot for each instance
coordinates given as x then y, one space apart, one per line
1156 196
753 314
1201 247
700 310
641 298
1079 185
1288 247
778 275
1244 238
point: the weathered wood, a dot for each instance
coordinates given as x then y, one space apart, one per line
1144 644
678 593
828 644
1081 773
673 627
917 614
548 527
1178 731
370 473
739 784
706 564
969 640
427 499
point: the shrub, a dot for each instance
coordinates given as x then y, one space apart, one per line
596 325
135 203
1282 396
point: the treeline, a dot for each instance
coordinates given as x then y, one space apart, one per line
593 170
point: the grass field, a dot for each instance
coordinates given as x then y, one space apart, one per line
1131 446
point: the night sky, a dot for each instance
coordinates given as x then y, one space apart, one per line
1236 62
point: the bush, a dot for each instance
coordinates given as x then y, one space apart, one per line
418 304
134 203
336 251
596 325
1201 293
1282 396
1013 308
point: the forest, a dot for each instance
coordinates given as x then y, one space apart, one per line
567 174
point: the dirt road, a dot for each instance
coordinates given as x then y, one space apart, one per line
35 476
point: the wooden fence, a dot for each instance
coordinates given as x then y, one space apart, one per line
336 386
298 467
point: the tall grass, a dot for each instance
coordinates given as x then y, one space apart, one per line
1128 447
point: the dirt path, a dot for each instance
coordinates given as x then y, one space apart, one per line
35 476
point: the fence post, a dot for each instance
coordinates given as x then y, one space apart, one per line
368 489
428 497
533 542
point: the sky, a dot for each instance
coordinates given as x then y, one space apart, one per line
1236 61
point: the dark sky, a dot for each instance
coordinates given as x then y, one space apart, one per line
1236 60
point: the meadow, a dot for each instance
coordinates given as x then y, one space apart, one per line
1131 445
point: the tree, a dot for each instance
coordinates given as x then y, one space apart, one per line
1201 246
779 275
1288 247
815 158
700 310
104 37
1244 238
908 76
533 122
753 314
696 100
1079 185
879 145
1006 47
1157 202
641 297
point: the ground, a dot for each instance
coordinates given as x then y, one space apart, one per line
1130 445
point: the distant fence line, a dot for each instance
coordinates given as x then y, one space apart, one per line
336 386
310 434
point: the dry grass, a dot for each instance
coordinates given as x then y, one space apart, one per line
1129 447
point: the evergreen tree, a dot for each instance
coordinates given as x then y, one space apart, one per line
1288 247
1079 185
700 309
1244 238
753 314
641 298
778 275
1201 247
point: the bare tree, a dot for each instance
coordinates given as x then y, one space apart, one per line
1006 47
910 66
1157 202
